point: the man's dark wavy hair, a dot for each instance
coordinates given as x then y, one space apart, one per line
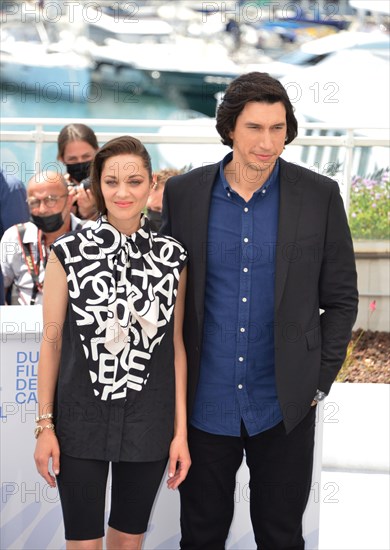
253 87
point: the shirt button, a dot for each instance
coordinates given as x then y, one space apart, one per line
242 329
239 386
246 240
246 209
241 359
245 270
263 191
244 299
228 194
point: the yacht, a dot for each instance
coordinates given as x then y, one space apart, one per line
149 55
349 89
32 59
314 52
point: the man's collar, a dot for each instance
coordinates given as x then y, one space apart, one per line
229 157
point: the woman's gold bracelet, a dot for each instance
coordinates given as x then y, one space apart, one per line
39 429
44 417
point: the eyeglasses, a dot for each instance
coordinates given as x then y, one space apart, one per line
49 201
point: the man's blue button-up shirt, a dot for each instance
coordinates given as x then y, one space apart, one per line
237 375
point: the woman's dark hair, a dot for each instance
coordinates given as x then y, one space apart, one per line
253 87
124 145
75 132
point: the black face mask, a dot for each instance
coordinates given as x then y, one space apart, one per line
154 218
79 171
48 224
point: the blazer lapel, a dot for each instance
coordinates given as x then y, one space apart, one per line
289 210
199 228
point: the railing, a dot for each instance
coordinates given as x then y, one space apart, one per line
346 141
316 151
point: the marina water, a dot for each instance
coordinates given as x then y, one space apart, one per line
102 103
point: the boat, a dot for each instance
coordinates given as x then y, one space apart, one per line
164 69
187 65
152 57
349 89
112 41
315 52
345 80
31 60
102 25
374 6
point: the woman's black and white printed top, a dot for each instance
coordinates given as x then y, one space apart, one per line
115 395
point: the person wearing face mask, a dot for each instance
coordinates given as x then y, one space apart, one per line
25 247
77 145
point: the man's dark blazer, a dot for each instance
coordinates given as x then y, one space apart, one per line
314 269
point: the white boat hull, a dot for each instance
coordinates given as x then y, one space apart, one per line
30 61
60 83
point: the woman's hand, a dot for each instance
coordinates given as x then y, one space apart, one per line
86 203
179 462
84 200
72 191
47 447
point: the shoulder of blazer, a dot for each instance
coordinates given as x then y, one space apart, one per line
296 174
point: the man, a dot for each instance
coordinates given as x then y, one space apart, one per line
269 248
13 209
25 247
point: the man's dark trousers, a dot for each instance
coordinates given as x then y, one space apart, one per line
280 468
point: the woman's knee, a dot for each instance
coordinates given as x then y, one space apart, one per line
118 540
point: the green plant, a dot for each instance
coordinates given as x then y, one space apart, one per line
369 206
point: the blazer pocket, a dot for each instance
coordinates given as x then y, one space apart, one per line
313 338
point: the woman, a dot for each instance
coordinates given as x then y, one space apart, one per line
77 145
112 369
